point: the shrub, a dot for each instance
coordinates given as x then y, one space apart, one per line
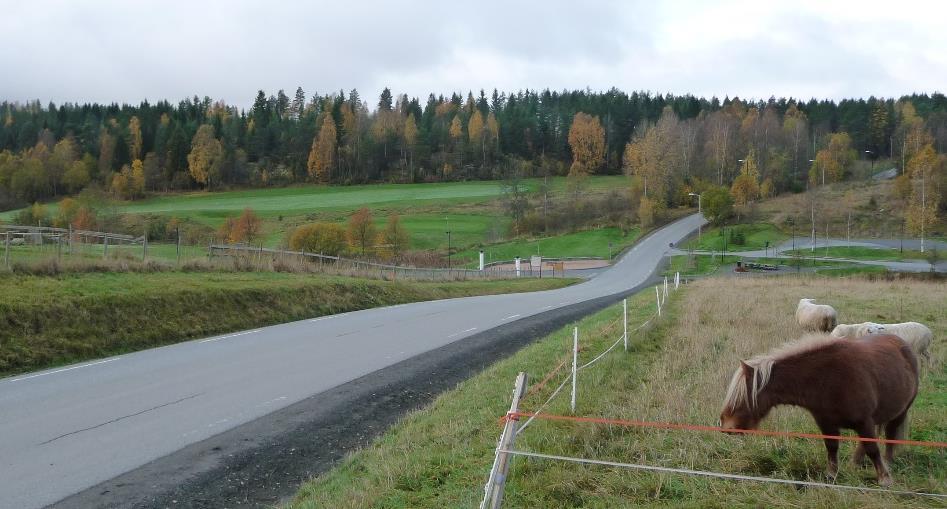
323 238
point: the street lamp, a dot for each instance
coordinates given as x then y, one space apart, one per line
698 211
869 154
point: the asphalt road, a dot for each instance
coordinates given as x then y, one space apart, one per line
67 429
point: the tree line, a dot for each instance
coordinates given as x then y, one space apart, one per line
339 138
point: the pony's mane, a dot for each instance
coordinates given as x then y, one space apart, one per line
762 365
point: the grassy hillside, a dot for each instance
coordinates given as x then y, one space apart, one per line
755 236
678 372
213 207
56 320
472 211
589 243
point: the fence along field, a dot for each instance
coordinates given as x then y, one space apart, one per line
710 352
676 370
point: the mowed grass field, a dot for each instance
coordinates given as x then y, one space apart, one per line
860 253
213 207
756 235
471 211
601 243
675 372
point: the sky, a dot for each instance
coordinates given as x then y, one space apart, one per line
129 51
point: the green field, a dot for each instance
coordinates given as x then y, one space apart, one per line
50 320
589 243
699 265
676 372
473 211
213 207
860 253
756 235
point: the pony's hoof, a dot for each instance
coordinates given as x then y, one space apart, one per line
831 474
886 481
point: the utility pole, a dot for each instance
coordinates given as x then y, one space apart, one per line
812 219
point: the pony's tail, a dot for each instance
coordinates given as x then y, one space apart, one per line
902 430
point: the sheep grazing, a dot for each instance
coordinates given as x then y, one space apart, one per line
816 317
854 330
917 335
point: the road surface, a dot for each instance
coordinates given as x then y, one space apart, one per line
67 429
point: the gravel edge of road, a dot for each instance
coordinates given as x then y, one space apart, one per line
265 461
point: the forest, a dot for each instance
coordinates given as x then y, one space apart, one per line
674 143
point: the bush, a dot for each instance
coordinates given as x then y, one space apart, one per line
717 204
324 238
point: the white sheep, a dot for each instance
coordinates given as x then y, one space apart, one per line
854 330
815 317
917 335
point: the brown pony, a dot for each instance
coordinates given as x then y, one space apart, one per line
843 383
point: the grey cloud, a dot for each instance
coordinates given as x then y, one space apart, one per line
112 50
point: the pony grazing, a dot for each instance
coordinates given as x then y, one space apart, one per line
815 317
843 383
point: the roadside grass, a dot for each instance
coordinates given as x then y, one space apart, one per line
860 253
440 455
676 372
756 235
54 320
587 243
698 265
852 271
703 265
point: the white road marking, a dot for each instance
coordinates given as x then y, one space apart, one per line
462 332
546 307
511 317
65 369
230 336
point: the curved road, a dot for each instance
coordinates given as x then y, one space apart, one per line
67 429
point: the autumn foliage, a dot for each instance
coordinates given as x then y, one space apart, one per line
361 232
587 141
322 238
245 228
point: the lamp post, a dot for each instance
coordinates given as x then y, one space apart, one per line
869 153
698 211
822 167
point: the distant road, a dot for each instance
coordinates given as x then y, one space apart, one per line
67 429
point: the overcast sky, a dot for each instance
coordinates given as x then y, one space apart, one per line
127 51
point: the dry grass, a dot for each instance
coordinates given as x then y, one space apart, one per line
876 212
678 371
717 325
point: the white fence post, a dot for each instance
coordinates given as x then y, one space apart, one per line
665 289
657 294
677 280
575 360
493 491
624 310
